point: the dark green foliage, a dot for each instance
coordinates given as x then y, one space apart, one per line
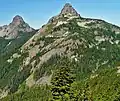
8 47
10 75
93 61
19 78
61 83
36 93
3 43
105 86
15 43
81 91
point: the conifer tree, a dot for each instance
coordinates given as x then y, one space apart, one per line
61 83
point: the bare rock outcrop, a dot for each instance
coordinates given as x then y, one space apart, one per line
68 9
12 30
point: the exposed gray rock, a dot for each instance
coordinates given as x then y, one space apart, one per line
17 20
68 9
12 30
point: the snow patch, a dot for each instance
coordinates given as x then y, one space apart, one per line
16 55
111 42
61 22
99 38
74 57
50 36
103 49
93 76
72 17
105 62
10 60
91 45
117 41
82 24
118 67
9 43
66 33
118 71
97 47
117 32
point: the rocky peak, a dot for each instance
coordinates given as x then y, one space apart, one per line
17 20
12 30
68 9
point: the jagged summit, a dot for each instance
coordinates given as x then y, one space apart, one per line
17 20
69 9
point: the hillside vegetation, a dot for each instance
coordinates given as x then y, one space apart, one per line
71 58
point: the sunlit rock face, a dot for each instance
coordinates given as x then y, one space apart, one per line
12 30
68 9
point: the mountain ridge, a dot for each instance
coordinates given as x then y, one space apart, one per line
90 47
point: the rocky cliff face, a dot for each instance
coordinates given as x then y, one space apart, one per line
84 40
68 9
89 44
17 20
13 30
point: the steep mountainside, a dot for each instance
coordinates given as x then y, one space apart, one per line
12 37
90 47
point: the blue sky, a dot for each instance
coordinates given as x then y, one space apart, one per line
38 12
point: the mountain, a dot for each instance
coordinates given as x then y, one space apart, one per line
12 30
15 34
69 9
89 47
12 37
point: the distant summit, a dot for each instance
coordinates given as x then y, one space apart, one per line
68 9
17 20
12 30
